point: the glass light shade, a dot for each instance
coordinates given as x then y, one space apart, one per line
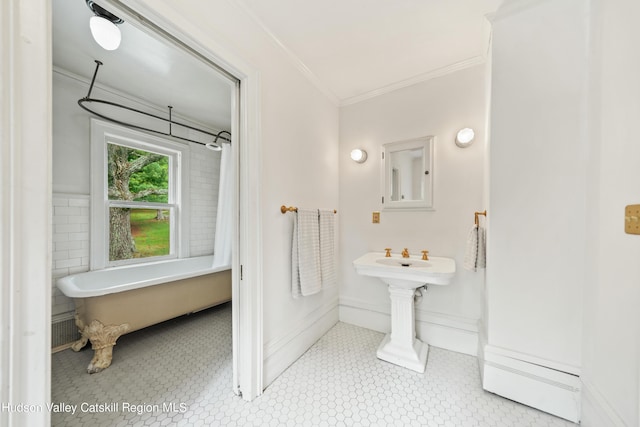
464 138
358 155
105 33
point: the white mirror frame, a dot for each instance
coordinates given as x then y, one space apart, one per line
426 202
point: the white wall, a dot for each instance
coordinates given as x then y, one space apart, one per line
299 134
447 315
611 354
537 181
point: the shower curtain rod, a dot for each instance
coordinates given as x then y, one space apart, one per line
88 99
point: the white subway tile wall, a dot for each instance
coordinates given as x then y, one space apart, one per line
70 246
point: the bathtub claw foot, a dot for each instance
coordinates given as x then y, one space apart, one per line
103 338
101 360
79 345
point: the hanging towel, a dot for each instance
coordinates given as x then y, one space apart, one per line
327 247
475 255
305 254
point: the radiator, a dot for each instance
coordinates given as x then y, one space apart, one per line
64 332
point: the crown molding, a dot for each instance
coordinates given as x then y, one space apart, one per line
293 58
438 72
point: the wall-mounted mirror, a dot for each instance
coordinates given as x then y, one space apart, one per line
408 174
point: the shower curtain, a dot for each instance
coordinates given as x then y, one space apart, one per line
224 219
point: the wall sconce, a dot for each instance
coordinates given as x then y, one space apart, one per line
464 137
104 27
358 155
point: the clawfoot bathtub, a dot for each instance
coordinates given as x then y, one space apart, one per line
113 302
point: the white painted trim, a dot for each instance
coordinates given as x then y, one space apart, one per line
251 358
25 209
281 352
438 72
103 132
596 409
534 360
535 385
293 58
451 332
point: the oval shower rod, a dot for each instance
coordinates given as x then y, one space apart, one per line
88 100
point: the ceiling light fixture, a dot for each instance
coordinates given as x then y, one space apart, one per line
464 137
358 155
104 27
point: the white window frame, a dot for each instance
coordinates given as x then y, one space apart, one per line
103 133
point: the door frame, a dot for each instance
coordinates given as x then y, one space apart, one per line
26 202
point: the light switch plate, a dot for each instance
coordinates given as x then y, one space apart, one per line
375 218
632 219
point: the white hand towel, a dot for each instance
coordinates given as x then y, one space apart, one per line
475 255
327 247
305 254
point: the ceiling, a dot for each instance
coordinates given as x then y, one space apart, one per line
360 47
351 49
146 67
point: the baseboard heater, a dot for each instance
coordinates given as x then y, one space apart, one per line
64 332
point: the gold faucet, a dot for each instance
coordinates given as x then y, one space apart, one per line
405 253
425 255
387 252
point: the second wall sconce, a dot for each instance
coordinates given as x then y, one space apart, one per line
464 137
358 155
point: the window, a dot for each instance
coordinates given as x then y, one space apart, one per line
137 197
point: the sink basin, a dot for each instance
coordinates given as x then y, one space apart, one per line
407 273
404 276
404 262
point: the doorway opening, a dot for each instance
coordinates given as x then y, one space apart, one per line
231 120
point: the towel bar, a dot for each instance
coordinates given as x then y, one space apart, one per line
284 209
479 213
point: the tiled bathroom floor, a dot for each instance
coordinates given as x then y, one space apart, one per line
338 382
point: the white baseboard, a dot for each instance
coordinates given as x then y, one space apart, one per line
441 330
596 410
280 353
532 382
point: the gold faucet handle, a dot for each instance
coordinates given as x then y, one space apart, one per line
387 252
425 255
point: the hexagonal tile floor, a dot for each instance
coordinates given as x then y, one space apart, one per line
178 373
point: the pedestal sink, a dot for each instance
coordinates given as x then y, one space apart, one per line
404 276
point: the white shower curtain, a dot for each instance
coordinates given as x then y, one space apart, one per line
224 219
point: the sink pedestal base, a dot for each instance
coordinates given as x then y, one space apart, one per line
401 347
414 358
